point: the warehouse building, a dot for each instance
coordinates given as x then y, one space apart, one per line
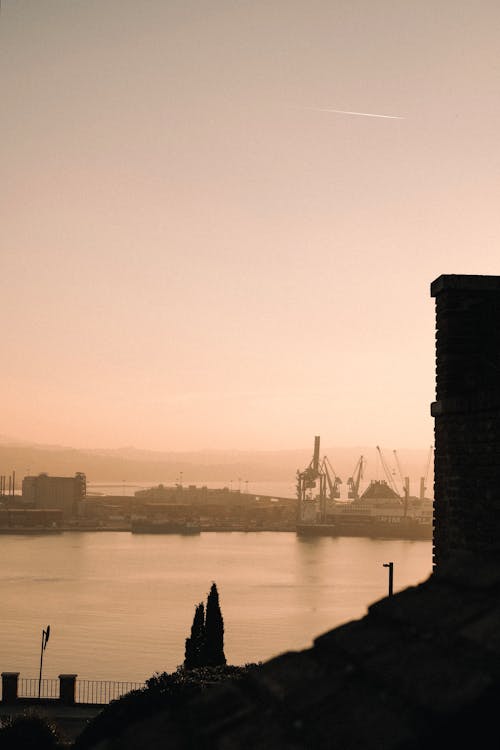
63 493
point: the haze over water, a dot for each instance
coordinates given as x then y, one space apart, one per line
120 605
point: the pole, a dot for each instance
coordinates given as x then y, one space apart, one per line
390 565
41 664
45 638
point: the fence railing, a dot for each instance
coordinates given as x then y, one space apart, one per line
103 691
28 688
67 689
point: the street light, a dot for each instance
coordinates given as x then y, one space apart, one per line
390 565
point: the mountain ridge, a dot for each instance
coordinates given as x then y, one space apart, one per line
130 463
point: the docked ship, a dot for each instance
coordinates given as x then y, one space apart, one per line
144 526
380 511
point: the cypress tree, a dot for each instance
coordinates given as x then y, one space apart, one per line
195 645
214 631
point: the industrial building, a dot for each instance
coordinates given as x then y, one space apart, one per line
63 493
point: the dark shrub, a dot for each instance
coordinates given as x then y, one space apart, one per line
163 692
28 732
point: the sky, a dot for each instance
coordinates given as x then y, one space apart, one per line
196 253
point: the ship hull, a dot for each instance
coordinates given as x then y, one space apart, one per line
164 528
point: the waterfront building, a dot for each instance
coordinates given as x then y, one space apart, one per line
63 493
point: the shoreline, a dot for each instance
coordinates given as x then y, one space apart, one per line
212 529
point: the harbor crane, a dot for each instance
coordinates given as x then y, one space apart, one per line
332 479
423 480
405 481
354 481
315 485
387 472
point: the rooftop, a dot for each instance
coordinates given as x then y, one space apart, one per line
465 282
408 675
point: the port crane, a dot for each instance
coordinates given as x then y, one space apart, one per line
423 480
387 472
405 481
332 479
354 481
320 476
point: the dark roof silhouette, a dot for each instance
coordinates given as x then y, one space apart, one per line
421 670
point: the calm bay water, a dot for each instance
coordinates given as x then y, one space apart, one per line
120 605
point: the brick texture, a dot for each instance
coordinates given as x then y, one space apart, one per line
467 417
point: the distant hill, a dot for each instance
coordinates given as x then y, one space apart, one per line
131 464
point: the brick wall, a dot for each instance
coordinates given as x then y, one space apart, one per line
467 417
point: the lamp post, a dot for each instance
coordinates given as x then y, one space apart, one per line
45 640
390 565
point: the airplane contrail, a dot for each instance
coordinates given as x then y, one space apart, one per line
359 114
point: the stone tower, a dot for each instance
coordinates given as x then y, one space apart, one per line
467 418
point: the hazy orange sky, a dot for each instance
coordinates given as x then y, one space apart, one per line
196 255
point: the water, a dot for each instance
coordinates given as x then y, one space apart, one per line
120 605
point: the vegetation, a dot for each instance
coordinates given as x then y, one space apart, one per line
214 631
195 645
163 692
29 732
205 646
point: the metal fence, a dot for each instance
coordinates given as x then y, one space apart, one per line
28 687
103 691
86 691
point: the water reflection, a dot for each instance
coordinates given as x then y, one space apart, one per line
100 590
